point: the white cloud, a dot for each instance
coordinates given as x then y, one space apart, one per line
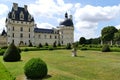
3 9
45 25
96 13
87 18
49 8
2 24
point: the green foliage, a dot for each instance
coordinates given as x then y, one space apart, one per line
46 44
117 36
4 47
68 46
12 53
83 48
105 48
40 45
2 51
108 33
5 74
35 68
54 44
30 44
26 49
59 44
50 48
19 50
82 40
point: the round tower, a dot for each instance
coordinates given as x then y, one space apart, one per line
66 30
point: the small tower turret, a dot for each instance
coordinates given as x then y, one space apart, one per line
66 15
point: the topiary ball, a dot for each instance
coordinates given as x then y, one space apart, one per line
11 54
105 48
35 68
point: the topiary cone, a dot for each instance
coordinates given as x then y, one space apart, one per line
11 54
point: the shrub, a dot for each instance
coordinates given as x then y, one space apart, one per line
54 44
12 53
105 48
50 48
46 44
2 51
4 47
59 44
68 46
30 44
35 68
19 50
40 45
83 48
26 49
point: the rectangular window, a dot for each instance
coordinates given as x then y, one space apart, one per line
21 29
13 28
45 36
38 36
13 35
21 35
29 29
55 37
29 35
50 36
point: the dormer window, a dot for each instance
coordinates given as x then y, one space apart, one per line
21 16
29 17
13 15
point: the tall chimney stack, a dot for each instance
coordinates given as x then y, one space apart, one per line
15 6
25 7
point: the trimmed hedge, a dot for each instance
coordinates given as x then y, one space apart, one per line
35 68
12 54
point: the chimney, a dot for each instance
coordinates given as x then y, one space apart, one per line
25 7
15 6
70 16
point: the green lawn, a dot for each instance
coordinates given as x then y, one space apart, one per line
4 73
89 65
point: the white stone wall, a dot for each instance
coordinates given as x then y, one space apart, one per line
3 41
66 34
17 32
45 38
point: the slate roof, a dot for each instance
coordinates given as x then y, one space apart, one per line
67 22
17 14
3 33
41 30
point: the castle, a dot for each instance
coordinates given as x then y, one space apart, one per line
22 30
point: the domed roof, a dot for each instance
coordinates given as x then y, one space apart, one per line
67 22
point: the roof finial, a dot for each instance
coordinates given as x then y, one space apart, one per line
66 15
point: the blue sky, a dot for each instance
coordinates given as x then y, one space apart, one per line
89 16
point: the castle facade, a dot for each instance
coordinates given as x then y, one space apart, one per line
22 30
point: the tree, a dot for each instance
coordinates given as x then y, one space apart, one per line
108 33
117 37
82 40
